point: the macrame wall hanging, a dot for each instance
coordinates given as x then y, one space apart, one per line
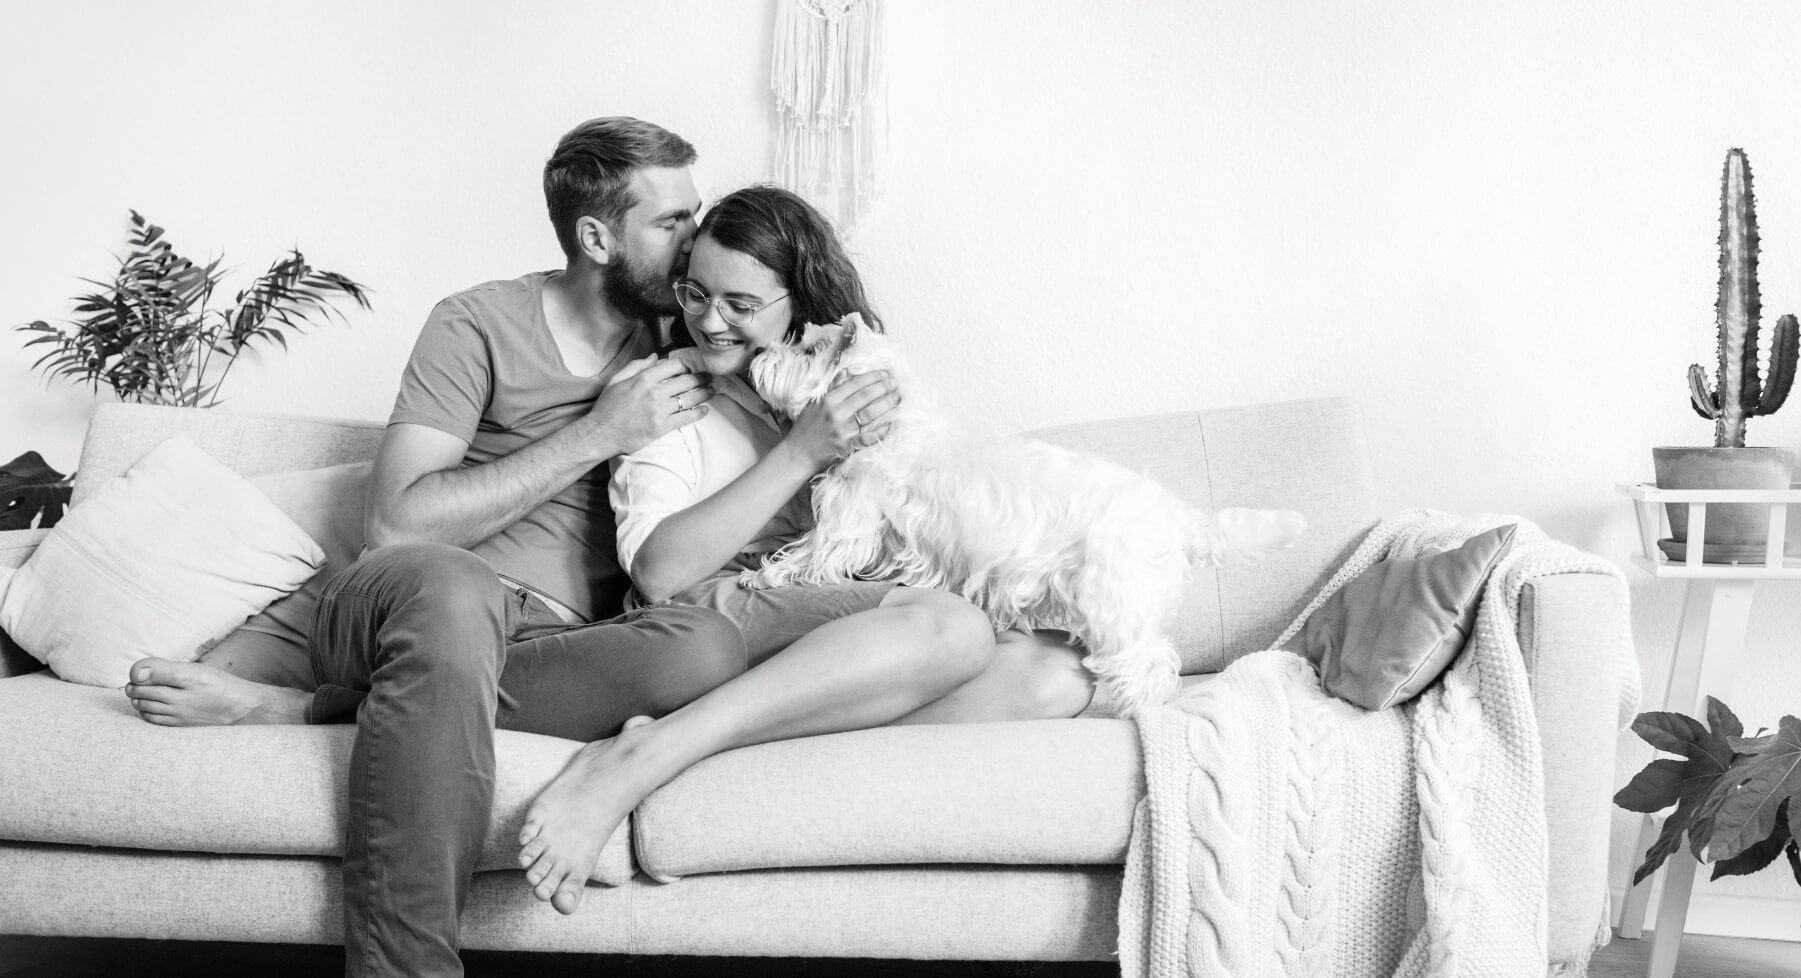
831 98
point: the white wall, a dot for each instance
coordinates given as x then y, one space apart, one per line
1493 223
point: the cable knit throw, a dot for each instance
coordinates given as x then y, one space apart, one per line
1285 832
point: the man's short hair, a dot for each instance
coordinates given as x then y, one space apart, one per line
590 173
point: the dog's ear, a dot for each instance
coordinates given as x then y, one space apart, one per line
814 336
853 327
848 328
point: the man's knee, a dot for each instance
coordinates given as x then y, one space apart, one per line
429 571
439 607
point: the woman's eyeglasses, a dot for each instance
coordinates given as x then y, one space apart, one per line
695 301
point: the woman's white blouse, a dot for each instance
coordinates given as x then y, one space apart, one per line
693 462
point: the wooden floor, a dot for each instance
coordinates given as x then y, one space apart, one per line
1703 957
55 957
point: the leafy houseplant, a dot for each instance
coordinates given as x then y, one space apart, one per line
1737 798
32 494
1740 390
152 335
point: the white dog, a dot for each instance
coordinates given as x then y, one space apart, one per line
1036 536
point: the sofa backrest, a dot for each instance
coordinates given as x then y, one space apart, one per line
1308 456
1303 455
250 444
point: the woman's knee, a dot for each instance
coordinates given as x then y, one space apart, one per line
1045 675
1059 687
954 636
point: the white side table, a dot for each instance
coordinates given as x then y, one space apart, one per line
1709 643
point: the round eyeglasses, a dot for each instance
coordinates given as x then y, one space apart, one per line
695 301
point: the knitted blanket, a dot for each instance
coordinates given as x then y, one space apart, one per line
1285 832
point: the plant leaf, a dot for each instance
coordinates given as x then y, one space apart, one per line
1794 822
1688 784
1757 855
1653 789
1722 720
1794 858
1754 791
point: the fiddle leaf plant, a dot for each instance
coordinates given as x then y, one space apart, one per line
1737 798
153 335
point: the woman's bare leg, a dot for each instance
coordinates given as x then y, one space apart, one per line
862 671
1034 676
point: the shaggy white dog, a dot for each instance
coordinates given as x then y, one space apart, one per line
1036 536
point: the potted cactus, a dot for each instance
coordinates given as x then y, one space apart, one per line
1740 391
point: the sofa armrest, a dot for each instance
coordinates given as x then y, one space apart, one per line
1571 627
15 546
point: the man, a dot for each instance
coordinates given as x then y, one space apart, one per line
491 548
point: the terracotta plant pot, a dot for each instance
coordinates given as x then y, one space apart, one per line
1728 525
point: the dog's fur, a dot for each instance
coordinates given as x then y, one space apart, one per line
1036 536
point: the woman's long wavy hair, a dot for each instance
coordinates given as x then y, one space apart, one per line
791 238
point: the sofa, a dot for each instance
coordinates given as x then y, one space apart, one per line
984 841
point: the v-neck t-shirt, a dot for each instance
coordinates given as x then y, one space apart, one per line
486 369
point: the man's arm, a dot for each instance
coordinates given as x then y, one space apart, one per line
419 493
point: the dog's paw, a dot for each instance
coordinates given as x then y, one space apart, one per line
751 580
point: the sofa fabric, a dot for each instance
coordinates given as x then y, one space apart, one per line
1046 913
1577 696
97 775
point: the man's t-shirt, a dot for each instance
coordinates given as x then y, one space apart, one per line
486 370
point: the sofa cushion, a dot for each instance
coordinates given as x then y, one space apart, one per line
249 444
1387 634
1023 793
164 561
1307 456
328 503
80 768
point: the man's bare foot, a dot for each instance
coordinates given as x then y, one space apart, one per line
573 817
190 694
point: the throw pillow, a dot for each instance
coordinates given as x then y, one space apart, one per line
164 560
328 504
1383 637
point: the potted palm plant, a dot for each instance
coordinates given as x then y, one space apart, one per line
1740 391
153 335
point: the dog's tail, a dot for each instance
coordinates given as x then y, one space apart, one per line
1242 536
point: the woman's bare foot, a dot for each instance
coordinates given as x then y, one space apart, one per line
573 817
190 694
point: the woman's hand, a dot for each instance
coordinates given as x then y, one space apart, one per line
855 413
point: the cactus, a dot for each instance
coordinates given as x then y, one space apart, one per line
1741 391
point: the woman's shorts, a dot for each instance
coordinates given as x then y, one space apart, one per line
773 619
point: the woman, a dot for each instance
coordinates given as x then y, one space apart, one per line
705 502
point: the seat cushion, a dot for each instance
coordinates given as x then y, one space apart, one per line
1048 792
80 768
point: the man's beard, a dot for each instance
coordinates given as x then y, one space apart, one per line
638 292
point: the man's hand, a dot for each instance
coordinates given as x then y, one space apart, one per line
647 399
